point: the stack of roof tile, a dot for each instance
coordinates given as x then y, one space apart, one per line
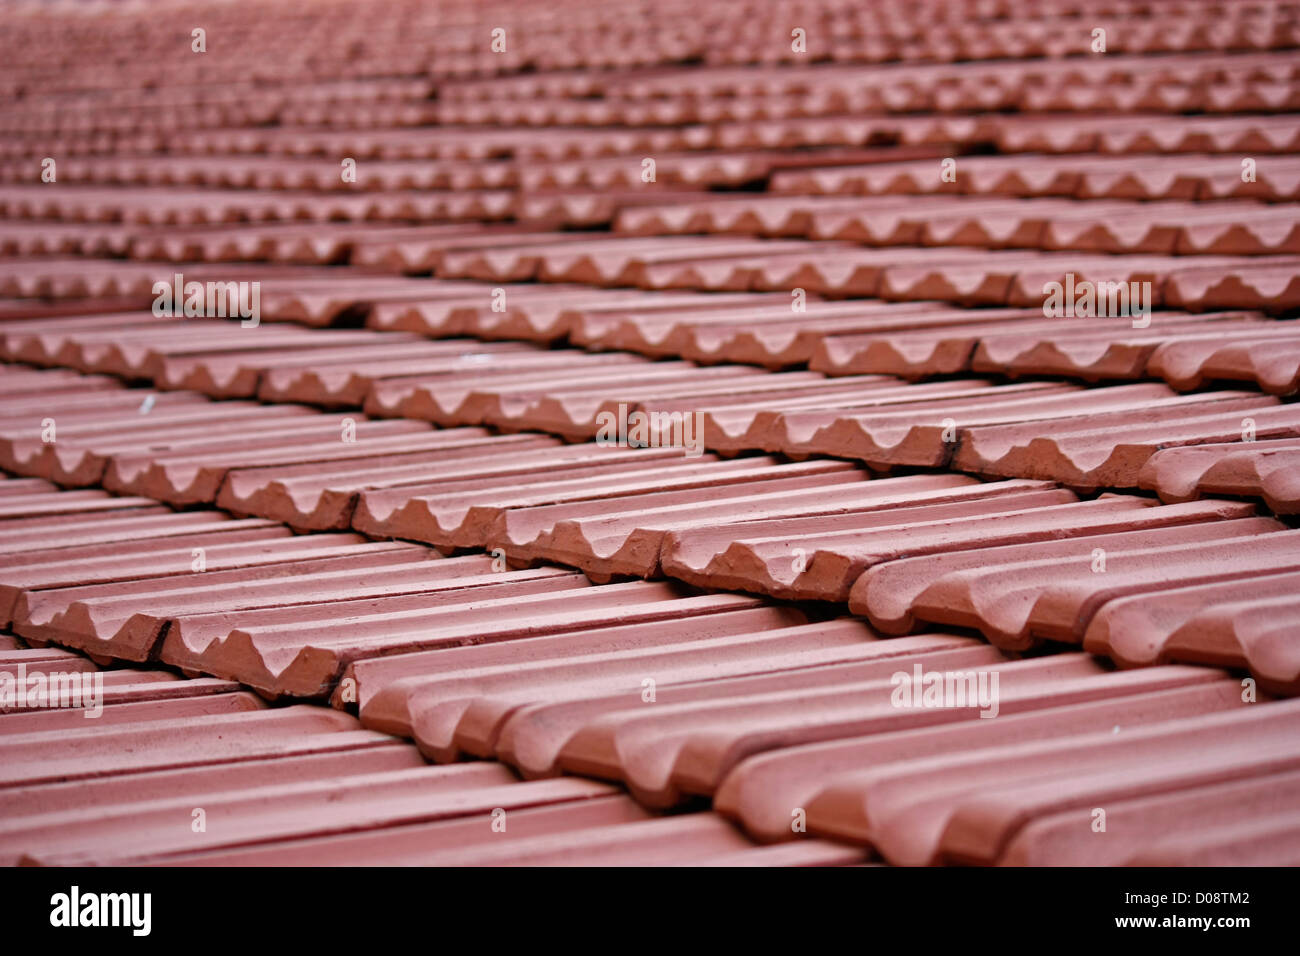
812 251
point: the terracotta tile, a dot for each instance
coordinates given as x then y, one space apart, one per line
470 397
527 719
163 556
774 339
623 535
358 801
1233 826
1265 355
1083 452
820 558
330 374
659 753
971 596
435 293
383 511
540 313
469 514
902 431
195 474
1240 625
957 822
122 526
1272 288
324 495
269 654
763 791
937 342
425 843
890 595
145 786
1257 469
1096 353
88 754
387 689
106 618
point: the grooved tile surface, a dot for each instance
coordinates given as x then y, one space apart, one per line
663 434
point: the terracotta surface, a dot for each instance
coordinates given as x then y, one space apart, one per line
396 492
304 785
1265 469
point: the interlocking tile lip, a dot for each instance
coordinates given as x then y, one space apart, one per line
657 328
1091 176
1065 133
90 456
706 263
927 498
657 751
771 338
462 307
586 208
906 427
472 397
85 439
623 535
167 207
378 506
1264 354
1060 602
760 792
138 354
124 618
820 559
345 381
268 654
194 474
887 594
1101 353
892 340
1266 286
386 689
323 496
246 374
44 342
578 405
588 319
960 825
126 466
1082 452
467 514
511 258
1017 343
1233 624
1262 469
179 554
735 420
1231 227
532 727
414 250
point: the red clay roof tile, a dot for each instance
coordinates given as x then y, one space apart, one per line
504 205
